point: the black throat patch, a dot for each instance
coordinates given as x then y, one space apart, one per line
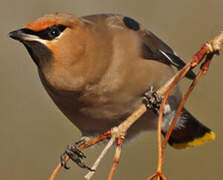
39 52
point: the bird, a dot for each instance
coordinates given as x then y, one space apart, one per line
97 68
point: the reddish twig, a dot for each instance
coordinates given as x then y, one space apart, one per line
180 107
87 144
90 174
208 49
177 78
117 155
204 69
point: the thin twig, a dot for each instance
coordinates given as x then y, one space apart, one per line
177 78
87 144
180 107
213 46
117 155
57 169
105 150
209 48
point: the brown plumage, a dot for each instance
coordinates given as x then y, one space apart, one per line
97 68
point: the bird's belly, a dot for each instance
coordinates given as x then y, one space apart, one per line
94 113
96 119
93 120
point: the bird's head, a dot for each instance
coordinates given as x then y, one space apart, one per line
53 37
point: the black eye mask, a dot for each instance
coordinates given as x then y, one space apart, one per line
49 33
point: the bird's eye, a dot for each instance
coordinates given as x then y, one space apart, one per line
55 31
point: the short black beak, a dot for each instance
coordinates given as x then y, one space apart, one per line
17 35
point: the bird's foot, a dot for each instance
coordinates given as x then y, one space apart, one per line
75 155
152 100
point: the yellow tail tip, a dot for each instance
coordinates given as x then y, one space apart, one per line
209 136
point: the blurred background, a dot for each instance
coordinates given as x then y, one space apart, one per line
33 132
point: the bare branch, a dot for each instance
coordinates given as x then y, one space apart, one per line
209 49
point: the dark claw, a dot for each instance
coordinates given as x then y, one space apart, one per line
75 155
152 100
63 162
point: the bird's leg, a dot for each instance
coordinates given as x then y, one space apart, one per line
75 155
152 100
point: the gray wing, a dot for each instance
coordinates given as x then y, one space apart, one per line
154 48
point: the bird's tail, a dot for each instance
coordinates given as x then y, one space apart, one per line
188 131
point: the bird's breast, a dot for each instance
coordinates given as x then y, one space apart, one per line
94 109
